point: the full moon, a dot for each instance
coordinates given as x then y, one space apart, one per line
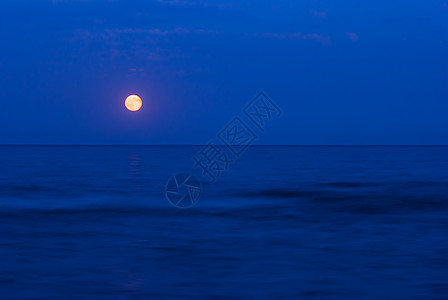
133 103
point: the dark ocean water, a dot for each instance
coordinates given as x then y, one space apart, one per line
281 223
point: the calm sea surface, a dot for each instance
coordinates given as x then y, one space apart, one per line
87 222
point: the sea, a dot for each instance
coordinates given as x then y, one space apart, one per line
279 222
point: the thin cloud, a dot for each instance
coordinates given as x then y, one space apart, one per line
318 14
195 3
161 54
352 36
164 32
324 40
68 1
152 44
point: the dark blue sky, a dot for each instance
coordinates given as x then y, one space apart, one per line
344 72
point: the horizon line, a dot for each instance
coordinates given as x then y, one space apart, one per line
261 145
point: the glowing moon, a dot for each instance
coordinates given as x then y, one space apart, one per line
133 103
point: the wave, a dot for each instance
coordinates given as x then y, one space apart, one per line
350 197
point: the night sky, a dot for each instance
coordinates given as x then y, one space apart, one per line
343 72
